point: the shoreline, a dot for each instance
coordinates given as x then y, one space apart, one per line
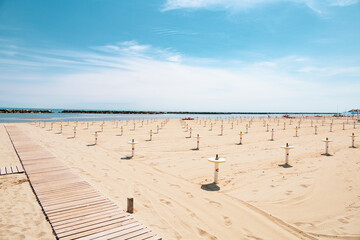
15 110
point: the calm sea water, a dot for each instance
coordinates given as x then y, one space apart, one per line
57 116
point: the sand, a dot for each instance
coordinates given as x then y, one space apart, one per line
318 197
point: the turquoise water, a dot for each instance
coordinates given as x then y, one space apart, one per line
57 116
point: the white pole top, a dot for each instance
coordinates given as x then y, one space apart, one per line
132 142
217 159
326 140
287 146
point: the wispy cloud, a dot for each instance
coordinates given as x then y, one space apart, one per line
234 5
332 71
171 32
343 2
148 77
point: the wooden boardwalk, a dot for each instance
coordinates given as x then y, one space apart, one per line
73 207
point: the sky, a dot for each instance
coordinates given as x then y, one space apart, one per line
181 55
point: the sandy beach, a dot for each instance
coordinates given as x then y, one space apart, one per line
316 197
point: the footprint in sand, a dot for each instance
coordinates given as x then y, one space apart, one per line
165 202
174 185
227 221
288 192
342 220
191 213
303 224
305 185
42 234
189 195
227 182
214 203
205 234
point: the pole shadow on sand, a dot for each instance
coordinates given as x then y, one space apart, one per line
285 165
326 154
212 187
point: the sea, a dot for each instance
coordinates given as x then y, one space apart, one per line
57 116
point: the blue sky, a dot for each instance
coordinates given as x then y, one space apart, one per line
181 55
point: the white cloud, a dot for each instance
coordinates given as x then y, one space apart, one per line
127 47
332 71
266 64
162 79
174 58
232 5
343 2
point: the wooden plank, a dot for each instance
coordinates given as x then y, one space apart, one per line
20 168
80 227
8 170
47 202
80 212
76 206
93 230
14 169
51 177
50 185
118 229
131 235
80 201
68 197
63 190
147 236
100 214
43 165
41 160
